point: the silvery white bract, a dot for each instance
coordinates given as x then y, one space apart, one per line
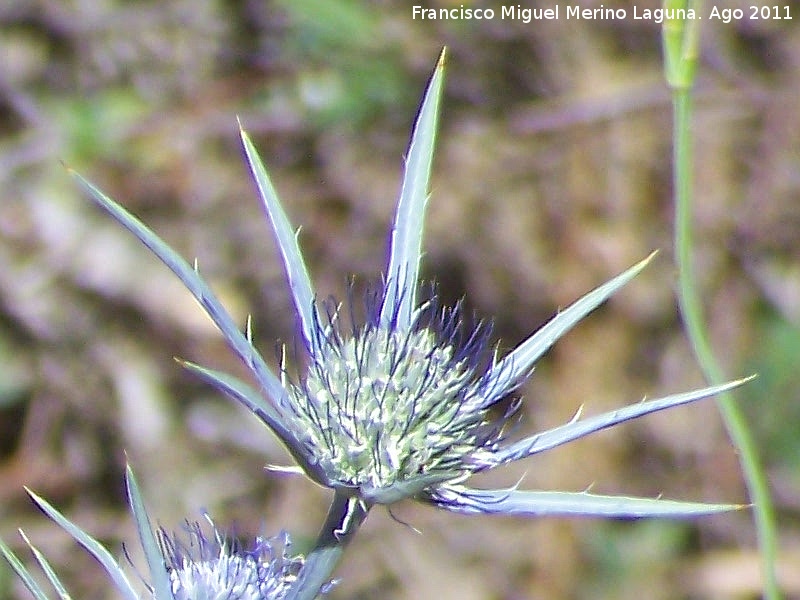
400 405
198 568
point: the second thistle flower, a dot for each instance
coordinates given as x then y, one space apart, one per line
192 566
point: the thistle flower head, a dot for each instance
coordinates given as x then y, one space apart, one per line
400 406
217 568
196 566
381 405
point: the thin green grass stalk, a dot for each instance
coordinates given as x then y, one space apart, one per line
680 45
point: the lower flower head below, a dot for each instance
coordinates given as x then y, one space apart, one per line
196 566
217 568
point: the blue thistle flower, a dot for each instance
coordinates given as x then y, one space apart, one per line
216 567
401 405
200 568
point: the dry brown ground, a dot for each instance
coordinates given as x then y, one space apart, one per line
552 174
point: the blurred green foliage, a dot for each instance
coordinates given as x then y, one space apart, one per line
96 127
349 73
773 399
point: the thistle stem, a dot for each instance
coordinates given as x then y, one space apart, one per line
345 515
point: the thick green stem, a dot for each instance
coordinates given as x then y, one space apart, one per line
345 516
691 310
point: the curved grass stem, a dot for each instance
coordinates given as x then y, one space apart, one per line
680 37
691 311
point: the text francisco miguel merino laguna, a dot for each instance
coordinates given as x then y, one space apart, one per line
526 15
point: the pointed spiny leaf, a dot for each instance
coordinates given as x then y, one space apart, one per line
162 590
253 401
94 547
296 271
194 283
21 571
511 371
406 244
570 504
577 428
51 575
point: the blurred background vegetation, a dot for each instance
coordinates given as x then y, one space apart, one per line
552 174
